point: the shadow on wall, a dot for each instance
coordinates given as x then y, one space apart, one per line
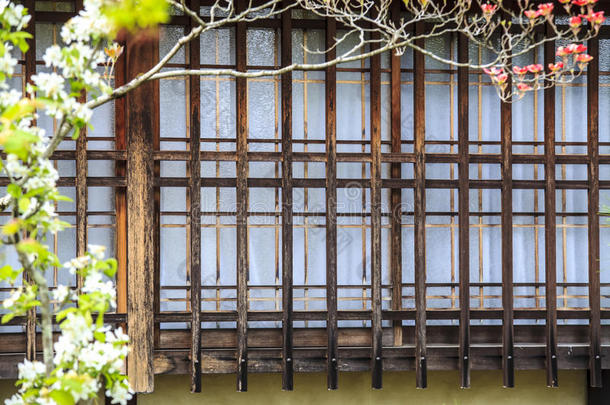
354 388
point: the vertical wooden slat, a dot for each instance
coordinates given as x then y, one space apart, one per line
419 193
550 224
195 210
595 362
396 193
29 71
507 244
120 195
81 196
375 106
156 122
287 204
463 214
141 51
81 184
242 205
331 207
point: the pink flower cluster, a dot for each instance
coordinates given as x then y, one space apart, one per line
571 55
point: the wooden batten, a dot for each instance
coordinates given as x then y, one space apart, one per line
550 226
332 354
141 53
419 207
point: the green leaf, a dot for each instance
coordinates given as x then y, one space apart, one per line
11 228
24 204
100 336
7 317
62 397
8 273
14 190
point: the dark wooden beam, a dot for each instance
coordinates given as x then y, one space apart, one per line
195 209
332 359
595 361
508 356
141 51
375 123
395 173
463 216
550 225
287 205
242 204
419 192
29 71
120 194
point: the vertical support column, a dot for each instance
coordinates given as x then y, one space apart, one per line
242 204
419 122
331 207
29 71
287 205
550 224
464 213
141 128
508 358
195 209
595 361
81 184
375 92
395 196
120 194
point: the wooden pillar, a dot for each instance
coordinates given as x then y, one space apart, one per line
287 205
508 357
375 91
464 214
550 224
396 193
29 71
419 196
595 352
242 203
141 127
195 208
332 366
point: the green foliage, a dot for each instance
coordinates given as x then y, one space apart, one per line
137 14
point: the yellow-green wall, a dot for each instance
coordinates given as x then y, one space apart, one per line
354 388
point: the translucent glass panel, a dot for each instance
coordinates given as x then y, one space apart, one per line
174 264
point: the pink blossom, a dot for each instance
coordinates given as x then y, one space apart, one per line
555 67
545 9
535 68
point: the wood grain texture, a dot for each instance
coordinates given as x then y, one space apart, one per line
242 205
195 209
550 225
464 213
395 173
595 356
141 51
508 356
81 195
287 205
419 196
120 193
332 356
29 69
375 123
